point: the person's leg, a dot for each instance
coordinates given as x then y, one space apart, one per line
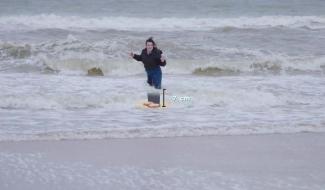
149 78
157 75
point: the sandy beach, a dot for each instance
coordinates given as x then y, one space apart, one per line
276 161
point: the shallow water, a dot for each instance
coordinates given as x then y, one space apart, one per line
36 106
233 68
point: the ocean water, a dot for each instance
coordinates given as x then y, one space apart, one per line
233 67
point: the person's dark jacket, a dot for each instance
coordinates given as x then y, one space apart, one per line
152 60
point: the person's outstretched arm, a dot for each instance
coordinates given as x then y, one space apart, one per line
136 56
162 59
163 62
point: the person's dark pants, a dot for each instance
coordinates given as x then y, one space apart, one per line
154 77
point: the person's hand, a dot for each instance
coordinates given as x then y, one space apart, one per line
131 54
162 58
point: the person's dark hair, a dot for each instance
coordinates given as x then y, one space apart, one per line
151 40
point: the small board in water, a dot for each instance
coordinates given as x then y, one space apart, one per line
153 101
151 105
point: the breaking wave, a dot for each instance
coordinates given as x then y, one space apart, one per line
73 56
49 21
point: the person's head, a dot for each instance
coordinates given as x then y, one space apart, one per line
150 44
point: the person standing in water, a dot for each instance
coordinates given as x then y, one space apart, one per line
152 60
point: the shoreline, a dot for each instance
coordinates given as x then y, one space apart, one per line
132 133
